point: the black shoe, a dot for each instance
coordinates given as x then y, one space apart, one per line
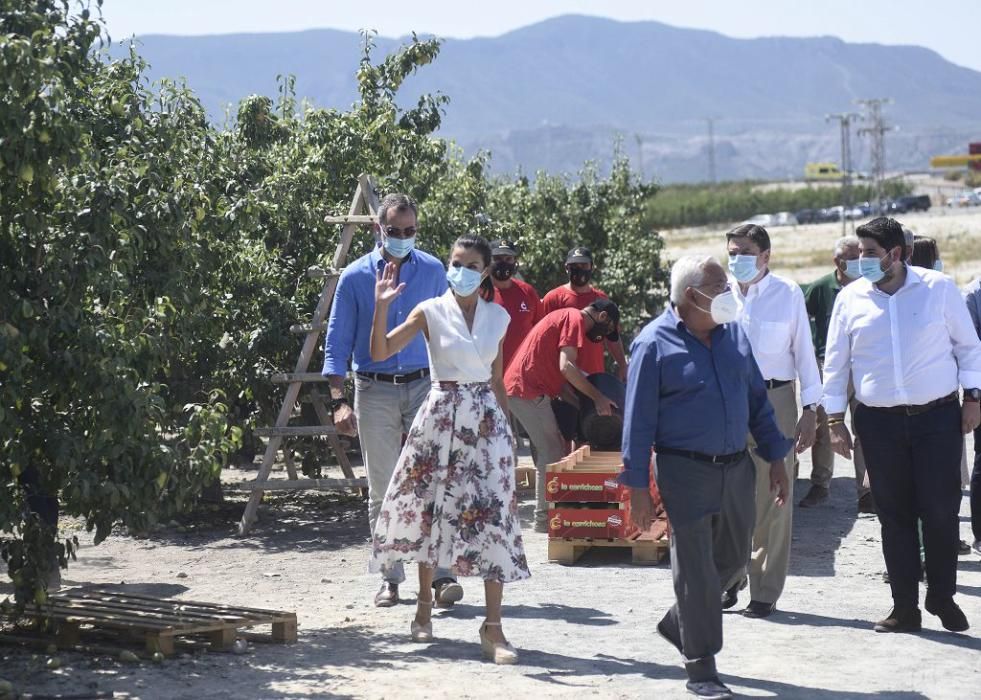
710 690
668 635
951 616
758 608
731 595
963 548
866 504
817 494
387 596
448 592
901 620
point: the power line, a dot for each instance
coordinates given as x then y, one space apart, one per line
877 129
845 119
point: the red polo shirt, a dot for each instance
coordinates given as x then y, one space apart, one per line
591 355
525 308
534 369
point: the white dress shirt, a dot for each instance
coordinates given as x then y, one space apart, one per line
904 349
774 316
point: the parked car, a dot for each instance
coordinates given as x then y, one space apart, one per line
917 202
968 198
760 220
808 216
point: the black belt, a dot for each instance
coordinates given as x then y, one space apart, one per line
395 378
701 457
918 408
776 383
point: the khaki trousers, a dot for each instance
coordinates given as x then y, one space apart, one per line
770 556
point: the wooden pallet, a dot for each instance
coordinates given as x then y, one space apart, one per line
159 622
646 549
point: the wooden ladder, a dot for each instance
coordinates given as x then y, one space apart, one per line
363 211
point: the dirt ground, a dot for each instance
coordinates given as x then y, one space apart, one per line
582 631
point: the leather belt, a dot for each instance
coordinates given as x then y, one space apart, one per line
916 409
395 378
776 383
701 457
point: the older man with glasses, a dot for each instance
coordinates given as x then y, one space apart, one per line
387 394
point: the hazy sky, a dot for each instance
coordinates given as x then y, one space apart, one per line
949 27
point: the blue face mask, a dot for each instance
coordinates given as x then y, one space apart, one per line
872 269
463 281
853 269
399 247
743 267
939 266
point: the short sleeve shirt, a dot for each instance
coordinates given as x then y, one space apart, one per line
534 369
590 359
524 307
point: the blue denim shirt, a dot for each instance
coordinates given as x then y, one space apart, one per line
687 396
349 327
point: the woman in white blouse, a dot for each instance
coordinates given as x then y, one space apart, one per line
451 502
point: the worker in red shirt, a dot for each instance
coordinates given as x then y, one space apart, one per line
578 293
518 297
545 361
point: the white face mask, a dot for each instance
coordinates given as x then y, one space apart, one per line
723 308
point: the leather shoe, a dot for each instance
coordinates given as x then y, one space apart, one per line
710 690
963 548
866 504
387 596
951 616
758 608
447 592
816 495
901 620
730 596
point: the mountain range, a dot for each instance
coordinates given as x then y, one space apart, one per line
561 91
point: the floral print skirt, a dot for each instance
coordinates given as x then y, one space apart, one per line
451 502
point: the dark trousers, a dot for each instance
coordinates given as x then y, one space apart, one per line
712 508
914 470
976 487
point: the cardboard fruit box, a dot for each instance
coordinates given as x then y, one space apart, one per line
597 523
588 477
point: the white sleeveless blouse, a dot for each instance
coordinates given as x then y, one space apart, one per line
456 353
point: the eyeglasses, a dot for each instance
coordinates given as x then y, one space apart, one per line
716 287
396 232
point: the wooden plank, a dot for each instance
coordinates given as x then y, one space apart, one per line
164 643
284 631
296 431
162 609
297 378
222 639
301 484
316 272
302 328
217 607
351 219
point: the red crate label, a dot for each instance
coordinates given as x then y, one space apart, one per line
599 523
582 488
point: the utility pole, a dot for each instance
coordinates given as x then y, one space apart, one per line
711 149
845 119
877 129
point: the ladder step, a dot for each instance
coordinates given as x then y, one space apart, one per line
295 431
315 272
304 328
296 378
298 484
351 219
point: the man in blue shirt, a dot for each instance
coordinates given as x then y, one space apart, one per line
694 392
387 394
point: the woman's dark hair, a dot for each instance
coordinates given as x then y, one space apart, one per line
888 233
472 241
925 252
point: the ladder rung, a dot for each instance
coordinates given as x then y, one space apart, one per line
304 328
351 219
297 484
295 431
315 272
293 378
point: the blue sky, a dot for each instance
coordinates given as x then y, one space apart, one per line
949 27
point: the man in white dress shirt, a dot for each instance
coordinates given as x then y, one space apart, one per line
908 340
773 314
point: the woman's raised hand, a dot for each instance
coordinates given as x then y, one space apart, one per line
385 288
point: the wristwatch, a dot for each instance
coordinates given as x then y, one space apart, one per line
972 395
337 403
